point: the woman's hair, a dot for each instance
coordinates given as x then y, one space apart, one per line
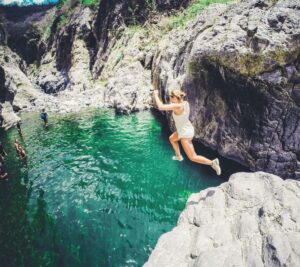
178 94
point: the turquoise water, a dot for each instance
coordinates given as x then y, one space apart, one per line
97 189
27 2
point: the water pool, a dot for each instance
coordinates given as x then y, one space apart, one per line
97 189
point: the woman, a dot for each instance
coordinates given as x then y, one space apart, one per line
185 129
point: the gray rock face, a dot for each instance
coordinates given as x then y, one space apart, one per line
66 62
16 90
22 33
239 65
113 15
251 220
129 90
74 43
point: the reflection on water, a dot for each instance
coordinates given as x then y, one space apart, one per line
97 190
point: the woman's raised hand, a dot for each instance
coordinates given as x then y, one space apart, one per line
155 92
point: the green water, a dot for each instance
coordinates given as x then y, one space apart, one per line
97 190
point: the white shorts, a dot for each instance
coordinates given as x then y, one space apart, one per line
186 133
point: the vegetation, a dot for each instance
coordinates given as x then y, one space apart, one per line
151 4
62 20
90 3
47 33
73 3
194 9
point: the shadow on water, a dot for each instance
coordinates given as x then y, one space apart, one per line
229 167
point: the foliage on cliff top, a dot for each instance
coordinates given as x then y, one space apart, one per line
74 3
193 9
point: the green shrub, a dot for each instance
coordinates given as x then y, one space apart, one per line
90 3
62 20
73 3
192 11
47 33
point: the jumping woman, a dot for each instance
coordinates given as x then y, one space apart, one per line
185 130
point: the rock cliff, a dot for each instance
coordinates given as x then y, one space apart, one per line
240 67
65 49
251 220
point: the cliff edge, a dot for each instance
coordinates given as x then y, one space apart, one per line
251 220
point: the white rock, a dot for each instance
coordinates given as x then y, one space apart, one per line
251 220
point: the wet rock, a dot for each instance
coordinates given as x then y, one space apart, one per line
251 220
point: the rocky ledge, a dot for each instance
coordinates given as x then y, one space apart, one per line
251 220
240 67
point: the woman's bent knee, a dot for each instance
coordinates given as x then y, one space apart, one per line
173 138
192 158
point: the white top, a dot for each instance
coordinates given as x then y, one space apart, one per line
184 127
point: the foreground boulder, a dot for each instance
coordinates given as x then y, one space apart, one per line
251 220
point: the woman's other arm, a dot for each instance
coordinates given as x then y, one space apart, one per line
162 106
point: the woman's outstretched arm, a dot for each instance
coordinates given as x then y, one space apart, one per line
162 106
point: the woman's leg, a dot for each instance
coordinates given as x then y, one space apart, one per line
190 152
174 142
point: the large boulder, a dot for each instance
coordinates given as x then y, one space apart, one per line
239 65
251 220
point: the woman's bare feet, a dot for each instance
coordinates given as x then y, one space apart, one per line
216 166
179 158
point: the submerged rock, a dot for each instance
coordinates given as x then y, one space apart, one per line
251 220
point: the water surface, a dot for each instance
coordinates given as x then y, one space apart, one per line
97 190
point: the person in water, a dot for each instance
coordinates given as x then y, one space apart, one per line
20 150
44 117
185 130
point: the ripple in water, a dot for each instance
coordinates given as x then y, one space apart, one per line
98 190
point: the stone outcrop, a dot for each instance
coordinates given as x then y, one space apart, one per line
251 220
66 48
128 73
25 27
240 67
113 15
16 90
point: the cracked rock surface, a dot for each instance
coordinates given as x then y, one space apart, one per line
251 220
